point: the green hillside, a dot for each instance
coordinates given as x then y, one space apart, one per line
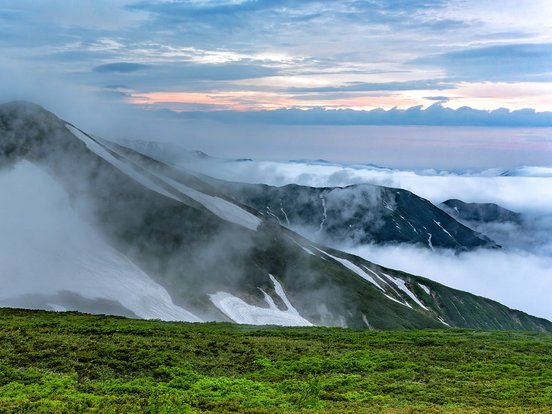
71 363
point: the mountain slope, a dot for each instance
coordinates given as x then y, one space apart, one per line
215 258
335 215
359 214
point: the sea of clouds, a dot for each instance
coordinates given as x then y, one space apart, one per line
519 275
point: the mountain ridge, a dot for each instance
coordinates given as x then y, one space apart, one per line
219 259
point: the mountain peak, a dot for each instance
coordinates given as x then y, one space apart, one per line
25 130
23 108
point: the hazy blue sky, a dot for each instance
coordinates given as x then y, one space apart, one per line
380 62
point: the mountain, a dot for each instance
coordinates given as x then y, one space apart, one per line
91 225
166 152
528 172
358 214
479 212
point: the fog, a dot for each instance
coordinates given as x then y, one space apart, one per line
51 258
526 190
81 228
516 278
519 275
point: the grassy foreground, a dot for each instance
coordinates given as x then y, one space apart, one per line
71 363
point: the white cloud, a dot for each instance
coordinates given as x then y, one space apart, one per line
517 279
530 190
519 275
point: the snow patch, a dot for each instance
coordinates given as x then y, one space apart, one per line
269 211
442 228
241 312
308 251
425 288
285 214
376 275
324 213
398 301
216 205
413 228
442 321
402 286
353 267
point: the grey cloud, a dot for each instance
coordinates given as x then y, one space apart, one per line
180 76
513 62
120 67
221 71
76 56
384 86
437 98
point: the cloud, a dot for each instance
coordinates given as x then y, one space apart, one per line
288 50
519 275
282 23
527 189
436 114
513 62
185 76
385 86
120 67
438 98
515 278
10 14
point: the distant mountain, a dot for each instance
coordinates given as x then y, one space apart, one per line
126 234
479 212
167 152
528 172
358 214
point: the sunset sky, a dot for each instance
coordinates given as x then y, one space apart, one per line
471 62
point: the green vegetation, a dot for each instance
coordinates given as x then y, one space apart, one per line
72 363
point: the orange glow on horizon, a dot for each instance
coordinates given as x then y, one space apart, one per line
255 101
483 95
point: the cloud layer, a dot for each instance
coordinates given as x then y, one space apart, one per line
518 275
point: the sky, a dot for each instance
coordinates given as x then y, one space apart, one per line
129 66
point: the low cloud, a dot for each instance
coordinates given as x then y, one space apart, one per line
519 275
516 278
525 189
434 115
